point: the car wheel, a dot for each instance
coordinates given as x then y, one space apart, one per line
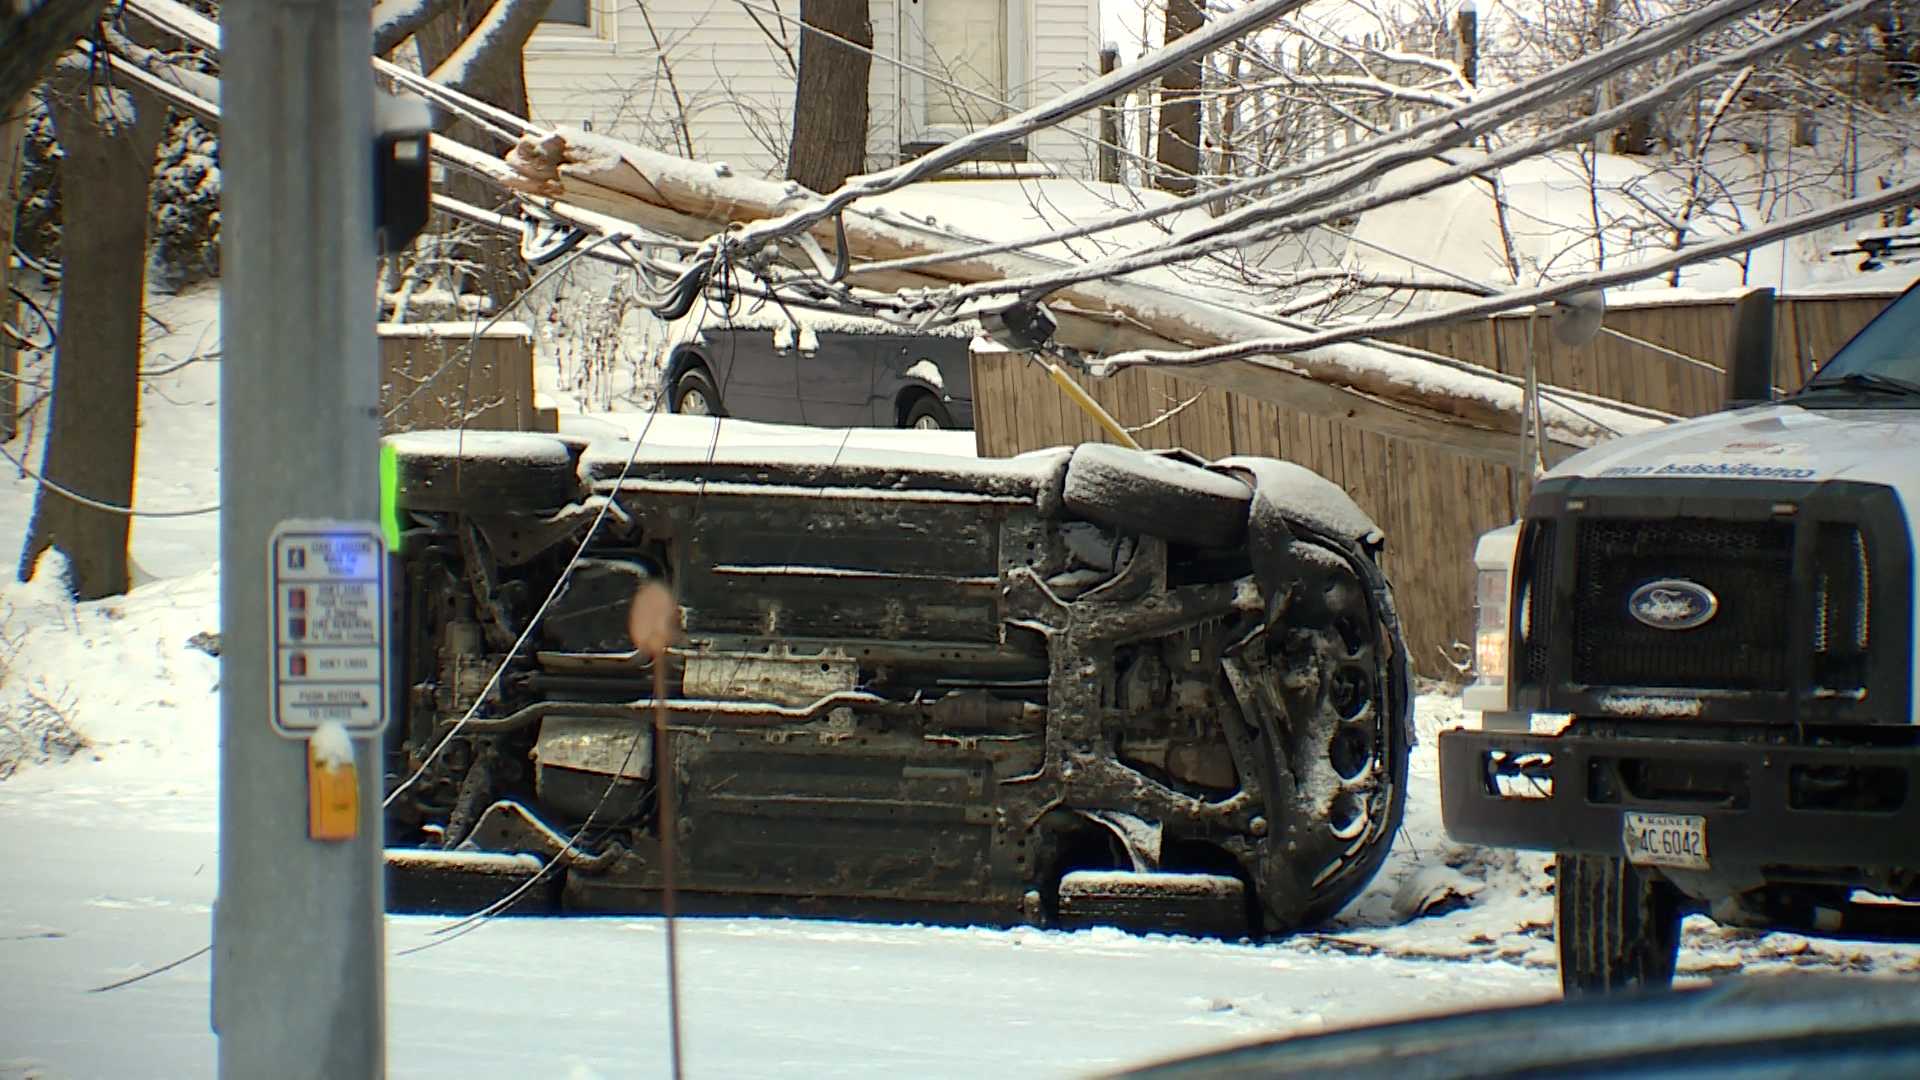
1617 926
928 415
1336 710
1159 496
487 472
694 395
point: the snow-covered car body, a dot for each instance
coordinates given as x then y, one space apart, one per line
1721 615
915 687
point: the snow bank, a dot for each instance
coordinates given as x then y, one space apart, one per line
158 710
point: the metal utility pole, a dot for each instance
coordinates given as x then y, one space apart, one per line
298 969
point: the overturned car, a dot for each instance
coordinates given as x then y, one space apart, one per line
1081 686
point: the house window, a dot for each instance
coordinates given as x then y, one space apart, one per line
570 13
574 26
971 56
966 59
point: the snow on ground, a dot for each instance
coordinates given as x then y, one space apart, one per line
112 856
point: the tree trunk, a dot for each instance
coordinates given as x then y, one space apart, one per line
830 96
498 78
1466 44
1110 133
108 141
1179 149
34 35
13 134
1635 137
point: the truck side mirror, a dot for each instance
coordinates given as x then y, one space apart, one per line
1575 318
401 189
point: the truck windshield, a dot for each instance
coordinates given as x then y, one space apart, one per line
1883 356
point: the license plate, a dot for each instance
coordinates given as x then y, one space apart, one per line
1678 840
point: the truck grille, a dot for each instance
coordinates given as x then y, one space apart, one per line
1810 620
1748 565
1842 612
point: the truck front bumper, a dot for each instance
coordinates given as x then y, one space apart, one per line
1763 805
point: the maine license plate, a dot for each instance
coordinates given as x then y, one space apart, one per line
1678 840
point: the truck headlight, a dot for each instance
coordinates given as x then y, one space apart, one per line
1493 570
1490 626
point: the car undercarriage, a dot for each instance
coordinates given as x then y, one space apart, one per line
1086 686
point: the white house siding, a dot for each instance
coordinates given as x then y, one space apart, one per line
736 90
1064 46
731 80
883 87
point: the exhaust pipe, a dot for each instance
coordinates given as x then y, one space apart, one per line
1750 359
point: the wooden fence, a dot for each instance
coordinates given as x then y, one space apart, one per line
426 382
1432 504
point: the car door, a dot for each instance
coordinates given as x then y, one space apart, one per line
755 380
836 379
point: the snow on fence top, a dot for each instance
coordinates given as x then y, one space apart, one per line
462 330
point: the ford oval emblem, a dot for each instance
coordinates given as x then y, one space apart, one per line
1673 604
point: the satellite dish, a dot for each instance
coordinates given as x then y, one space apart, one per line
1576 317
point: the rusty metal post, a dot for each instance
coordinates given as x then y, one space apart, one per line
653 622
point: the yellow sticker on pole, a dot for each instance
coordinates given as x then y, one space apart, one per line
333 785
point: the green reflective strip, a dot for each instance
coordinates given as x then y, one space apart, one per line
390 496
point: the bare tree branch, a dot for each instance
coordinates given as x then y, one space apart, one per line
683 128
779 40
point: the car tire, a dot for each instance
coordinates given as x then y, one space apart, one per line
694 394
1338 732
483 472
927 414
1159 496
1617 927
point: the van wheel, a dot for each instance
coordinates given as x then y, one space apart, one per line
928 415
694 395
1617 926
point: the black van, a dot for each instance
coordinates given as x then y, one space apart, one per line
854 378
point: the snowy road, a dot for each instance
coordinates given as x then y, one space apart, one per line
114 872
